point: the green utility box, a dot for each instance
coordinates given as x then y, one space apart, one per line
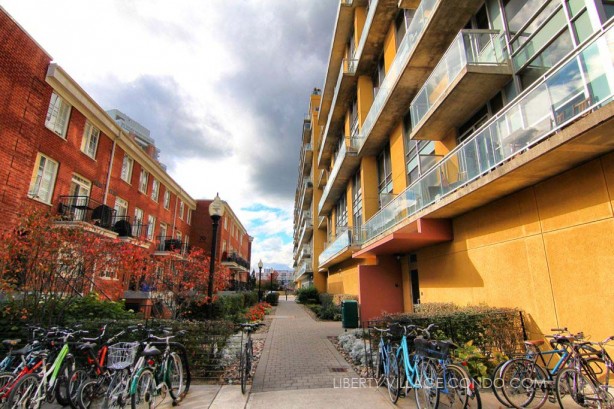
349 314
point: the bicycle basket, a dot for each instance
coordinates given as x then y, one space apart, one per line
122 354
432 349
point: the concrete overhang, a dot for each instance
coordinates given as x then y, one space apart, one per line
408 237
469 91
343 28
347 169
234 266
336 119
447 19
371 41
344 254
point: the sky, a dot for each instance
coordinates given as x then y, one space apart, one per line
223 86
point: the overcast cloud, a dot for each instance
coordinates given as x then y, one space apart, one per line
223 86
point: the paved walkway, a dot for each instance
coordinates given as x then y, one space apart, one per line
297 353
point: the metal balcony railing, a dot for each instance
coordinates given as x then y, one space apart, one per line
235 258
170 244
584 81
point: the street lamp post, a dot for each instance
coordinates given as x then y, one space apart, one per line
216 211
259 280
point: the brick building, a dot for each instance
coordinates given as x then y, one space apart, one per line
234 245
59 150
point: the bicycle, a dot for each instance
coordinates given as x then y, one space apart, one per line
527 383
414 371
245 360
587 380
383 360
457 388
32 389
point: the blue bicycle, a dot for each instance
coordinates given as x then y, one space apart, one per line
385 356
414 372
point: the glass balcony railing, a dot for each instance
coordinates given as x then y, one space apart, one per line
344 239
582 82
345 150
470 47
414 31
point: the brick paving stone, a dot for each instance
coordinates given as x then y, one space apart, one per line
298 354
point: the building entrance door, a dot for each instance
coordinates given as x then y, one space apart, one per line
415 287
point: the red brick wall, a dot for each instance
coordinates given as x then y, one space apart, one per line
24 97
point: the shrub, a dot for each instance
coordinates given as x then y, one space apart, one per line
257 312
272 298
307 295
250 297
329 310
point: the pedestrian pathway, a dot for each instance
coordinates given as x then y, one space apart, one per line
298 355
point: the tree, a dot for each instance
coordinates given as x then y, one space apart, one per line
181 280
45 266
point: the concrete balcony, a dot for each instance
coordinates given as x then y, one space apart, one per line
562 120
435 25
304 271
340 248
306 231
476 65
344 168
380 16
307 193
307 129
306 158
344 24
323 178
344 90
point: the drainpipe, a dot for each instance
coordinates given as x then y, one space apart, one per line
108 182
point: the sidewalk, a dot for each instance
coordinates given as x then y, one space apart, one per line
300 368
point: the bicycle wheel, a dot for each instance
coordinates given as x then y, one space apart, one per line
455 387
475 400
24 393
187 377
174 376
497 383
145 394
117 392
573 383
427 394
378 372
61 385
242 369
6 381
524 384
393 378
75 379
91 394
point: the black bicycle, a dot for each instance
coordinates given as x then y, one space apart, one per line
245 363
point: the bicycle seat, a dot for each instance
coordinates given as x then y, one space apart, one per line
11 342
85 346
153 351
22 351
534 342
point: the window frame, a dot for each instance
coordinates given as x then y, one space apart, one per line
155 190
143 181
151 227
127 168
37 180
57 119
90 133
167 198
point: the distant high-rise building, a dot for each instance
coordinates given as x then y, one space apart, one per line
138 131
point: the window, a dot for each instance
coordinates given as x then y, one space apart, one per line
80 189
167 199
378 75
121 208
178 235
43 179
143 181
57 115
181 209
151 227
138 222
127 169
189 217
357 200
155 189
384 171
89 144
163 230
341 211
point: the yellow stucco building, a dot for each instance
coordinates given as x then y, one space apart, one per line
462 152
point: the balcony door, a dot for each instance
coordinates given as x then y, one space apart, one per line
80 189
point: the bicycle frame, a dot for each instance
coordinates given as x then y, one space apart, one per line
412 374
48 383
385 349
